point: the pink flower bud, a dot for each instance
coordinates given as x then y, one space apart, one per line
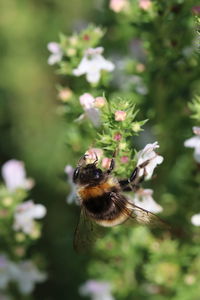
196 10
65 94
120 115
118 5
86 37
117 137
145 4
106 162
99 102
124 159
140 68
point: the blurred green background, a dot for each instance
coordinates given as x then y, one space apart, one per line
33 132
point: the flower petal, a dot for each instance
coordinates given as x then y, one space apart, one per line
54 58
195 220
53 47
193 142
39 211
14 175
145 200
93 77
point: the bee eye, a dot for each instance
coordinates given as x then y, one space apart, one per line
76 173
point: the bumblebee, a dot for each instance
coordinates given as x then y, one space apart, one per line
102 200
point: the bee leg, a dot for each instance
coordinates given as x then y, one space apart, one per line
112 163
132 183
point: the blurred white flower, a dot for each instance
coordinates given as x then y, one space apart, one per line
4 296
14 175
25 214
138 82
72 197
194 142
91 112
56 51
195 220
4 271
92 63
97 290
87 101
26 275
143 198
148 153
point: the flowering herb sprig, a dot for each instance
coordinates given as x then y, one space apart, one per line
143 29
119 125
78 55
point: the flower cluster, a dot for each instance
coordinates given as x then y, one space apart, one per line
25 214
76 55
19 226
90 105
24 274
92 63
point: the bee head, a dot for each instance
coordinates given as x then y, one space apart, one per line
88 174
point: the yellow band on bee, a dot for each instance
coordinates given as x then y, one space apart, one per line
98 190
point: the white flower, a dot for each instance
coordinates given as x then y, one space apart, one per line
143 198
194 142
87 101
56 51
195 220
25 214
92 63
97 290
14 175
72 197
26 275
148 153
91 112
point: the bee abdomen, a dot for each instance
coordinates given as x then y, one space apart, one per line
102 208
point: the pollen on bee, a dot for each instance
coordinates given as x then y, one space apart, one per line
98 190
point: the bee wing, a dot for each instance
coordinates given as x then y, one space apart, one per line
86 232
139 215
143 216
